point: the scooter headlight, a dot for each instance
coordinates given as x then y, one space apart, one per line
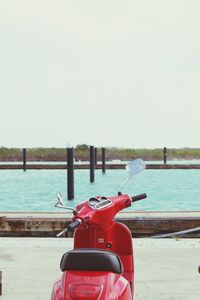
85 291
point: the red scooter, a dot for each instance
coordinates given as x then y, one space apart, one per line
100 267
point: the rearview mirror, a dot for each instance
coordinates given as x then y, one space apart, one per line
61 204
133 167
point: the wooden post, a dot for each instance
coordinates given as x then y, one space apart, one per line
92 163
165 155
103 160
70 173
95 155
0 283
24 159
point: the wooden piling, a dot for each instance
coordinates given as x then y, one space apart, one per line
92 163
95 156
103 160
24 159
70 173
165 155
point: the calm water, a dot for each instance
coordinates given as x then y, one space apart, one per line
35 190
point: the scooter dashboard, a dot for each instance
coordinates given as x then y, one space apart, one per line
99 203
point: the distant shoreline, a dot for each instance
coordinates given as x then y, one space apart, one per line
81 153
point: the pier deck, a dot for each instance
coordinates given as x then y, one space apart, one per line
141 224
42 166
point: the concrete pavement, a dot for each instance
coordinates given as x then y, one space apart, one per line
165 269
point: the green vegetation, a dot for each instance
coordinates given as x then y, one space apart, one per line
81 152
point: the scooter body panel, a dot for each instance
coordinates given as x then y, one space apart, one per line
117 238
99 230
91 285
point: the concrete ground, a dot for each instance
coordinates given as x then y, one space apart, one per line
165 269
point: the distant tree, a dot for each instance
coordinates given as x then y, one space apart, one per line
82 147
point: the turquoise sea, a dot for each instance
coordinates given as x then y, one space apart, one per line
35 190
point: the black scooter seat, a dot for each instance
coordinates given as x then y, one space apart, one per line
91 260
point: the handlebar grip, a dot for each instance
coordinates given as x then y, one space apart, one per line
75 224
138 197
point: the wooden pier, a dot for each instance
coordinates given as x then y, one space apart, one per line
141 224
98 166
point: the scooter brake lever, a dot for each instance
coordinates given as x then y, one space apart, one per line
62 232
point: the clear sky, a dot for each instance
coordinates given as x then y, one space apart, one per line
106 73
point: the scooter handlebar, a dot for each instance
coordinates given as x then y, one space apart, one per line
71 226
138 197
74 224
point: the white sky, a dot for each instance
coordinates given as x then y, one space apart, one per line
106 73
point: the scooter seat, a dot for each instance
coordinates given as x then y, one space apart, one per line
91 260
